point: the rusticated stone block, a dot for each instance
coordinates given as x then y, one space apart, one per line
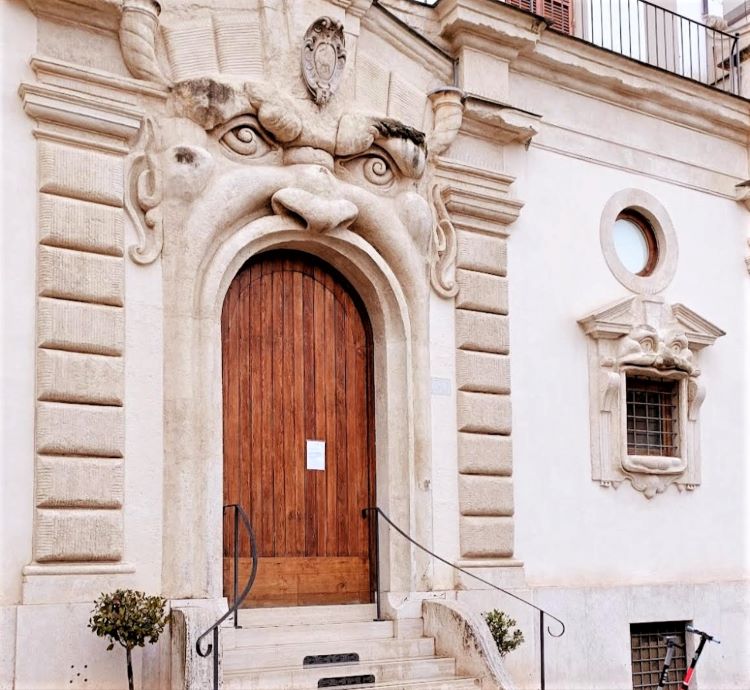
80 173
482 372
484 413
485 454
82 276
80 327
64 429
481 494
482 253
80 225
191 48
486 537
239 44
75 482
78 535
476 330
79 378
406 102
481 292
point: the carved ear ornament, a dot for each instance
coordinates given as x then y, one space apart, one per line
442 249
144 198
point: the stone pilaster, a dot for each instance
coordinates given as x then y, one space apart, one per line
480 209
82 142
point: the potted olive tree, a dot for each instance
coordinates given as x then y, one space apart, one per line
502 627
128 617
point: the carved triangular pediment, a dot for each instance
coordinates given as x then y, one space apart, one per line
619 318
611 321
699 331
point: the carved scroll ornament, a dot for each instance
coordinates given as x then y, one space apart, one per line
442 249
144 199
323 58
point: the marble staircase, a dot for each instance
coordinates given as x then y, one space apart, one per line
274 647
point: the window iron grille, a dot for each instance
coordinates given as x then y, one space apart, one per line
648 648
652 416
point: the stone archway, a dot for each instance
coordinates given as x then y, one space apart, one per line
193 394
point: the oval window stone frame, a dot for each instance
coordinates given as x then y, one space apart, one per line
654 212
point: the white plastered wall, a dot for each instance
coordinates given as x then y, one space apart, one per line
17 313
602 558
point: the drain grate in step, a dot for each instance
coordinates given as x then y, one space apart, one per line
343 681
317 659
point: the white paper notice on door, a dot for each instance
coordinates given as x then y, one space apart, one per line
316 455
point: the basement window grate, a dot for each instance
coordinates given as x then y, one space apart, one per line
648 649
652 407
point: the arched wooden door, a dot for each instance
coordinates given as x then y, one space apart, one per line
297 371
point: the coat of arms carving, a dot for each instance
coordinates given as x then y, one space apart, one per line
323 58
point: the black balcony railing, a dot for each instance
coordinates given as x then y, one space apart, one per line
644 31
655 36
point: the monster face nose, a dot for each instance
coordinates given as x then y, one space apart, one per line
317 213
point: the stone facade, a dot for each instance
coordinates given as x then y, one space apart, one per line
461 165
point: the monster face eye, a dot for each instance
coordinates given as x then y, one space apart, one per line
245 138
373 167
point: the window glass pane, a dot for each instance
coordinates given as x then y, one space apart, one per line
630 244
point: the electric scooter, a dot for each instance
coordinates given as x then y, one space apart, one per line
672 643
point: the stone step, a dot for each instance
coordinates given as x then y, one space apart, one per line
293 654
387 670
306 615
426 684
265 635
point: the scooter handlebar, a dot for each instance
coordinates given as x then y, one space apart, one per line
695 631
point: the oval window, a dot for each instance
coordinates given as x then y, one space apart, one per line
635 243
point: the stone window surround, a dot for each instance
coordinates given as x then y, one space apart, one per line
666 240
644 335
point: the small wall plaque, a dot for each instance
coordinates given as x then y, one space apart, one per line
323 58
316 455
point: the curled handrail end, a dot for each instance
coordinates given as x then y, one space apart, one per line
562 626
208 651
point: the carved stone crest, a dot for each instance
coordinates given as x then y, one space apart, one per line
323 58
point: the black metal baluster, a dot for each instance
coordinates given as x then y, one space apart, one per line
541 649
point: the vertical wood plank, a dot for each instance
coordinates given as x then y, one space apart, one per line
279 412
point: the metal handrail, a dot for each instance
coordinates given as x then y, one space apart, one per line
213 647
378 513
654 35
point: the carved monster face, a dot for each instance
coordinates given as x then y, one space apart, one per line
665 349
231 153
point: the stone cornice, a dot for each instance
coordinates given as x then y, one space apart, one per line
498 122
404 39
498 29
477 199
579 66
108 125
99 14
89 80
